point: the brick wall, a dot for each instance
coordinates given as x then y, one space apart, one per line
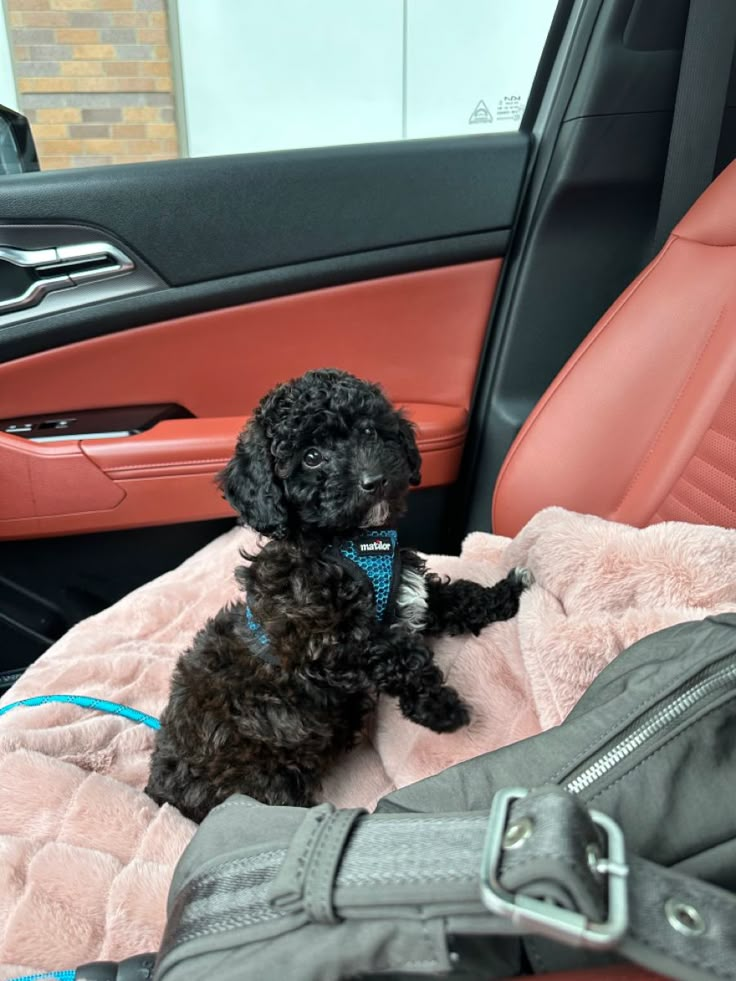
94 78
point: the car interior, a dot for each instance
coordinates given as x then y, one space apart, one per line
534 232
511 291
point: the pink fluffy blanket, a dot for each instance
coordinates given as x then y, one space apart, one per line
86 857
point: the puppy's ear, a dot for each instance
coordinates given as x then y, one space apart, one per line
251 487
409 442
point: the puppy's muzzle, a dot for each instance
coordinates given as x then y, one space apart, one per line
372 483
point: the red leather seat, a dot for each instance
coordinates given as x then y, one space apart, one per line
640 424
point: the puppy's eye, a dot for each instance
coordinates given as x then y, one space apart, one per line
367 431
312 458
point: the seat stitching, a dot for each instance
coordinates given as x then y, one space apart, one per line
683 388
700 490
157 465
687 507
707 463
719 432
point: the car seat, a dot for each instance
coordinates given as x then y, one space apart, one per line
640 425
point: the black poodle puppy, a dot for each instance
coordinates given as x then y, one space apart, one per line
274 689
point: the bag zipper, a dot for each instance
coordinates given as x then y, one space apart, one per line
712 681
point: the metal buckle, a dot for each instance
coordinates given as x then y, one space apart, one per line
543 917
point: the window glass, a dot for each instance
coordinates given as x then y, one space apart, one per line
124 81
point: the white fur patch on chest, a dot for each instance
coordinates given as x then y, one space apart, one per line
411 599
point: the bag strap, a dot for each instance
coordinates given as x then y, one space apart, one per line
705 70
541 864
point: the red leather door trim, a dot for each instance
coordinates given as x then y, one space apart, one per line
53 480
419 335
162 476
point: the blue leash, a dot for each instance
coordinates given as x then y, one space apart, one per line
97 705
51 976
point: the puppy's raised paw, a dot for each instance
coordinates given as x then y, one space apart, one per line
523 577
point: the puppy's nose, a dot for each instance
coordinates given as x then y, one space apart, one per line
370 483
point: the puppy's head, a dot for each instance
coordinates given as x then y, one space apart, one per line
324 452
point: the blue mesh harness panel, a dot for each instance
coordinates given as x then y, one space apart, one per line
375 554
372 555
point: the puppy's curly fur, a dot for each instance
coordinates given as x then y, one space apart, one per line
323 456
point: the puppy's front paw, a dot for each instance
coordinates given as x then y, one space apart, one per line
443 711
500 602
522 577
509 591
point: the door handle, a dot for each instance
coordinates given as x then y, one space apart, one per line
62 267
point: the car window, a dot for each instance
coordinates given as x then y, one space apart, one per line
126 81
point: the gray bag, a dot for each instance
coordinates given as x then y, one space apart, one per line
624 848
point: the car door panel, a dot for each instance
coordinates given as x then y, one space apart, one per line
224 231
379 259
382 259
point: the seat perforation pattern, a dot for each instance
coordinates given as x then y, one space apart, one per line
707 485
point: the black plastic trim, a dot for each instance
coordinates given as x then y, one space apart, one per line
543 74
213 217
484 451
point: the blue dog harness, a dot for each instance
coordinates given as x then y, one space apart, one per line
372 557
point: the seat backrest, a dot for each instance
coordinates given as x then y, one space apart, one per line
640 424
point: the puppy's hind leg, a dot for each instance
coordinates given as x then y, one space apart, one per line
290 787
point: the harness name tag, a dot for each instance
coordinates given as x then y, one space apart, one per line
374 546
